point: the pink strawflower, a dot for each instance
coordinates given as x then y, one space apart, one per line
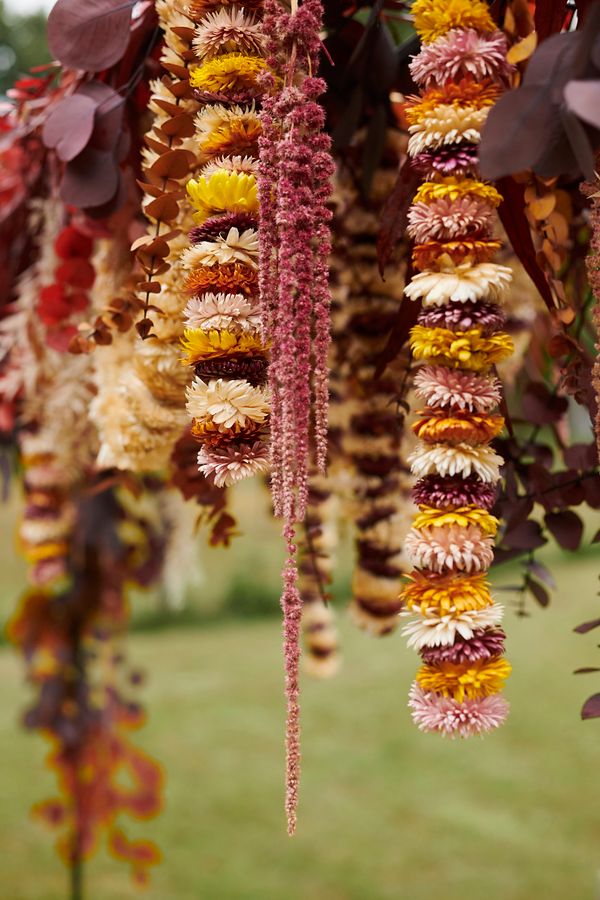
441 386
459 160
452 492
232 462
448 717
462 53
485 644
217 226
450 548
488 317
446 220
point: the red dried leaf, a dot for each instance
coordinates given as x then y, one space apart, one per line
541 406
90 35
72 242
587 626
394 213
539 592
526 536
76 272
566 527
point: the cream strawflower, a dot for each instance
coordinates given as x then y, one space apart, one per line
227 31
440 386
235 247
232 463
453 548
485 281
223 312
460 460
226 403
446 124
232 164
433 630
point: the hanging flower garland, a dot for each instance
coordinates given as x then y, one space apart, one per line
227 400
455 624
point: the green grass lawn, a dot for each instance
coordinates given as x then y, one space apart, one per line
385 811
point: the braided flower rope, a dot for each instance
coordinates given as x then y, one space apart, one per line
454 622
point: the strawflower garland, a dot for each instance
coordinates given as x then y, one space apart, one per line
454 622
228 400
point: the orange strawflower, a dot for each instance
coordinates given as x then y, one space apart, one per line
446 593
458 428
479 679
231 278
439 255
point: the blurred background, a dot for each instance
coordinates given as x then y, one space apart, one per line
385 812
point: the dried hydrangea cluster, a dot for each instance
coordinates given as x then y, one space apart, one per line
455 624
373 442
316 547
228 399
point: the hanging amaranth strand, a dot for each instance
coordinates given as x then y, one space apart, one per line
461 69
294 181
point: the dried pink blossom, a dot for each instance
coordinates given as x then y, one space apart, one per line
446 220
459 160
441 386
431 712
462 53
229 463
450 548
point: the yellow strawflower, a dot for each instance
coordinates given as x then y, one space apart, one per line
452 188
433 18
229 72
224 191
479 679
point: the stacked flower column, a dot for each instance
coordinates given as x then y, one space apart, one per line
228 400
455 624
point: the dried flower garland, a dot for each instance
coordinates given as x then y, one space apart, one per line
228 400
459 339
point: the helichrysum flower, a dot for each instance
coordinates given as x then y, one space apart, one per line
485 644
222 312
462 53
458 160
246 164
434 18
444 219
446 125
227 130
459 349
452 492
437 255
232 278
462 517
446 716
228 30
233 462
224 191
461 460
441 386
235 247
487 281
479 679
451 548
449 593
432 629
230 72
227 403
477 94
488 317
458 428
456 189
200 344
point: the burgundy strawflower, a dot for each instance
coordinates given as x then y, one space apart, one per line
452 492
214 226
484 644
489 317
459 160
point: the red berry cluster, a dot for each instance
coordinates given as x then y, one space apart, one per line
69 294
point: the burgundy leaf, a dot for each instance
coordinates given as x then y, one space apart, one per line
581 456
591 491
91 179
583 98
541 572
89 34
586 670
591 707
394 213
566 527
587 626
538 591
512 214
541 406
69 126
526 536
518 125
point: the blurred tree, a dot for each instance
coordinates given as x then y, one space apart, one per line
22 44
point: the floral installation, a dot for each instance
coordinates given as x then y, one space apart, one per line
459 340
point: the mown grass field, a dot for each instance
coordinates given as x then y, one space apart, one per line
385 812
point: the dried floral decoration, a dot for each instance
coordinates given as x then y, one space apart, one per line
454 621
